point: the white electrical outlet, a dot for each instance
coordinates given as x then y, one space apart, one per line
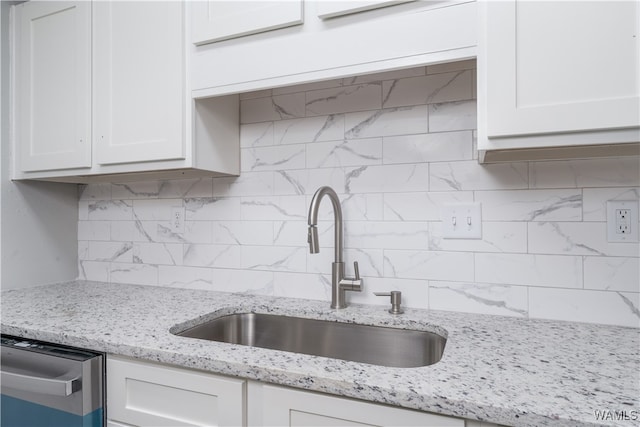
461 220
177 219
622 220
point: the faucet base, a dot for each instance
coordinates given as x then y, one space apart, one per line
337 294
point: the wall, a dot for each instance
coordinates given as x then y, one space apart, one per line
38 221
395 146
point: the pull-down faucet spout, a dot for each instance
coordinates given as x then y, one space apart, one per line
339 283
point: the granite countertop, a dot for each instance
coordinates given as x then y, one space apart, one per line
499 369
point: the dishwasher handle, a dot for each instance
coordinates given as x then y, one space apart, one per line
59 386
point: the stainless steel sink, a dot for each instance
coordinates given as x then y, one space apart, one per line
399 348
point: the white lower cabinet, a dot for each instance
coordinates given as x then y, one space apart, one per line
280 406
146 394
149 394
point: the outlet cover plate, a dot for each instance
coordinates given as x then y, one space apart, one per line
461 220
613 232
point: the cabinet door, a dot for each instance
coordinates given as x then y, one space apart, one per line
147 394
561 66
138 70
53 85
215 20
288 407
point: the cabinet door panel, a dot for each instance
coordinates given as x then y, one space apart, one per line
561 66
53 85
294 408
216 20
148 394
138 81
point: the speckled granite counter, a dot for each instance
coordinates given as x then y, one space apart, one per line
499 369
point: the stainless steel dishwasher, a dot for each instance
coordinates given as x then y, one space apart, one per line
46 384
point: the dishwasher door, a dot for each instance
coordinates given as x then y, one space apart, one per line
49 385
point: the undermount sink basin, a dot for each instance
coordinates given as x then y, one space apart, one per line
376 345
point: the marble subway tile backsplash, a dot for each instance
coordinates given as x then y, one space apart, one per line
395 146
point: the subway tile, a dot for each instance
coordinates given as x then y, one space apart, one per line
157 253
612 274
220 256
198 232
576 238
135 190
451 116
428 265
185 277
531 205
429 89
387 122
109 210
303 285
385 75
387 235
137 274
279 157
469 175
348 152
343 99
155 210
527 269
361 207
110 251
309 129
247 184
83 250
243 281
304 87
243 232
289 233
95 192
502 300
274 258
254 135
388 178
609 308
508 237
94 230
209 209
93 270
604 172
134 231
256 94
421 206
307 181
272 108
595 200
447 67
432 147
277 208
186 188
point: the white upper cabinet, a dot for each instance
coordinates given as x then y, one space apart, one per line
53 78
100 94
338 39
215 20
548 70
138 85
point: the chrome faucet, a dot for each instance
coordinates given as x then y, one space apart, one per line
339 283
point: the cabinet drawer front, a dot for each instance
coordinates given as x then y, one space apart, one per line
146 394
287 407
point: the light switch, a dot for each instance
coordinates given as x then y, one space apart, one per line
461 220
622 221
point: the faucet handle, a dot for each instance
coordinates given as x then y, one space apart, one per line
356 270
396 300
